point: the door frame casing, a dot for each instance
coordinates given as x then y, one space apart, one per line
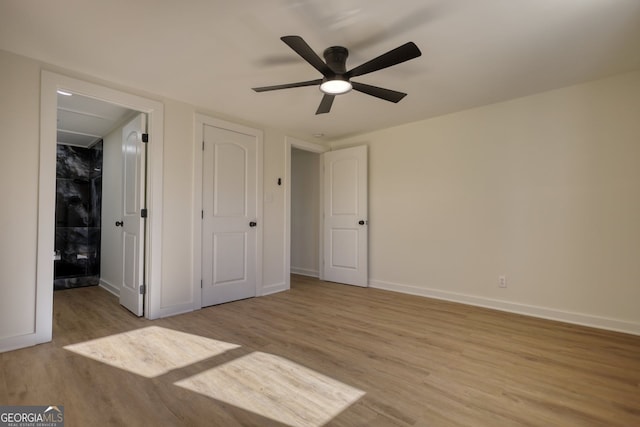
50 83
200 120
291 143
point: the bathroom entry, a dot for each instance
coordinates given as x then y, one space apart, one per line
78 213
99 157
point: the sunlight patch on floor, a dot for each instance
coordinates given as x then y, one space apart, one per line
151 351
276 388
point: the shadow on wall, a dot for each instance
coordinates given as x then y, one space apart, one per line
78 210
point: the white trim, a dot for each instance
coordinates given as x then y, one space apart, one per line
305 272
306 146
321 222
511 307
175 309
50 83
109 287
199 121
19 341
196 223
274 288
289 143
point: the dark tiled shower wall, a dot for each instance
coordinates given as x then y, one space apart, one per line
78 208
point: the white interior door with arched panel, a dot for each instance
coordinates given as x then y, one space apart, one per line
345 216
133 223
231 237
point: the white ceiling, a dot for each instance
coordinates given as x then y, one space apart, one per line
210 53
83 121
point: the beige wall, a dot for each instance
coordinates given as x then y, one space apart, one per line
273 275
543 189
177 205
19 143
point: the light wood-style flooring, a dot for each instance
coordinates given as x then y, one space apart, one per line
324 354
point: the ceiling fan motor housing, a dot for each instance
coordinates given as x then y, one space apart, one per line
336 58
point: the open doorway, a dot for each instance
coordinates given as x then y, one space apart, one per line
88 191
304 244
343 235
50 84
305 213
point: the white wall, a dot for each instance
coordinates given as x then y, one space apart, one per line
19 136
273 254
19 142
177 294
543 189
305 212
111 236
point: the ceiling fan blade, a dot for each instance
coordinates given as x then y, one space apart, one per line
302 48
288 85
325 104
379 92
396 56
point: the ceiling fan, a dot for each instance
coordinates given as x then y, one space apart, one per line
336 79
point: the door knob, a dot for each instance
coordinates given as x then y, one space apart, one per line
362 222
253 224
119 223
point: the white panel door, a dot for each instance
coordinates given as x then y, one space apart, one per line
230 206
345 216
133 193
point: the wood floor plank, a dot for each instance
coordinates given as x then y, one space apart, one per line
418 361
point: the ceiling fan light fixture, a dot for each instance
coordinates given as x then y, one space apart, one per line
336 87
335 76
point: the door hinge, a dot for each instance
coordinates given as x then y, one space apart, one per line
144 213
200 284
145 137
143 289
202 214
203 145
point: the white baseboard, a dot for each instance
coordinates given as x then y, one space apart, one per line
528 310
109 287
305 272
188 307
174 310
272 289
15 343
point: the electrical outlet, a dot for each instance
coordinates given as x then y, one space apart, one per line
502 281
